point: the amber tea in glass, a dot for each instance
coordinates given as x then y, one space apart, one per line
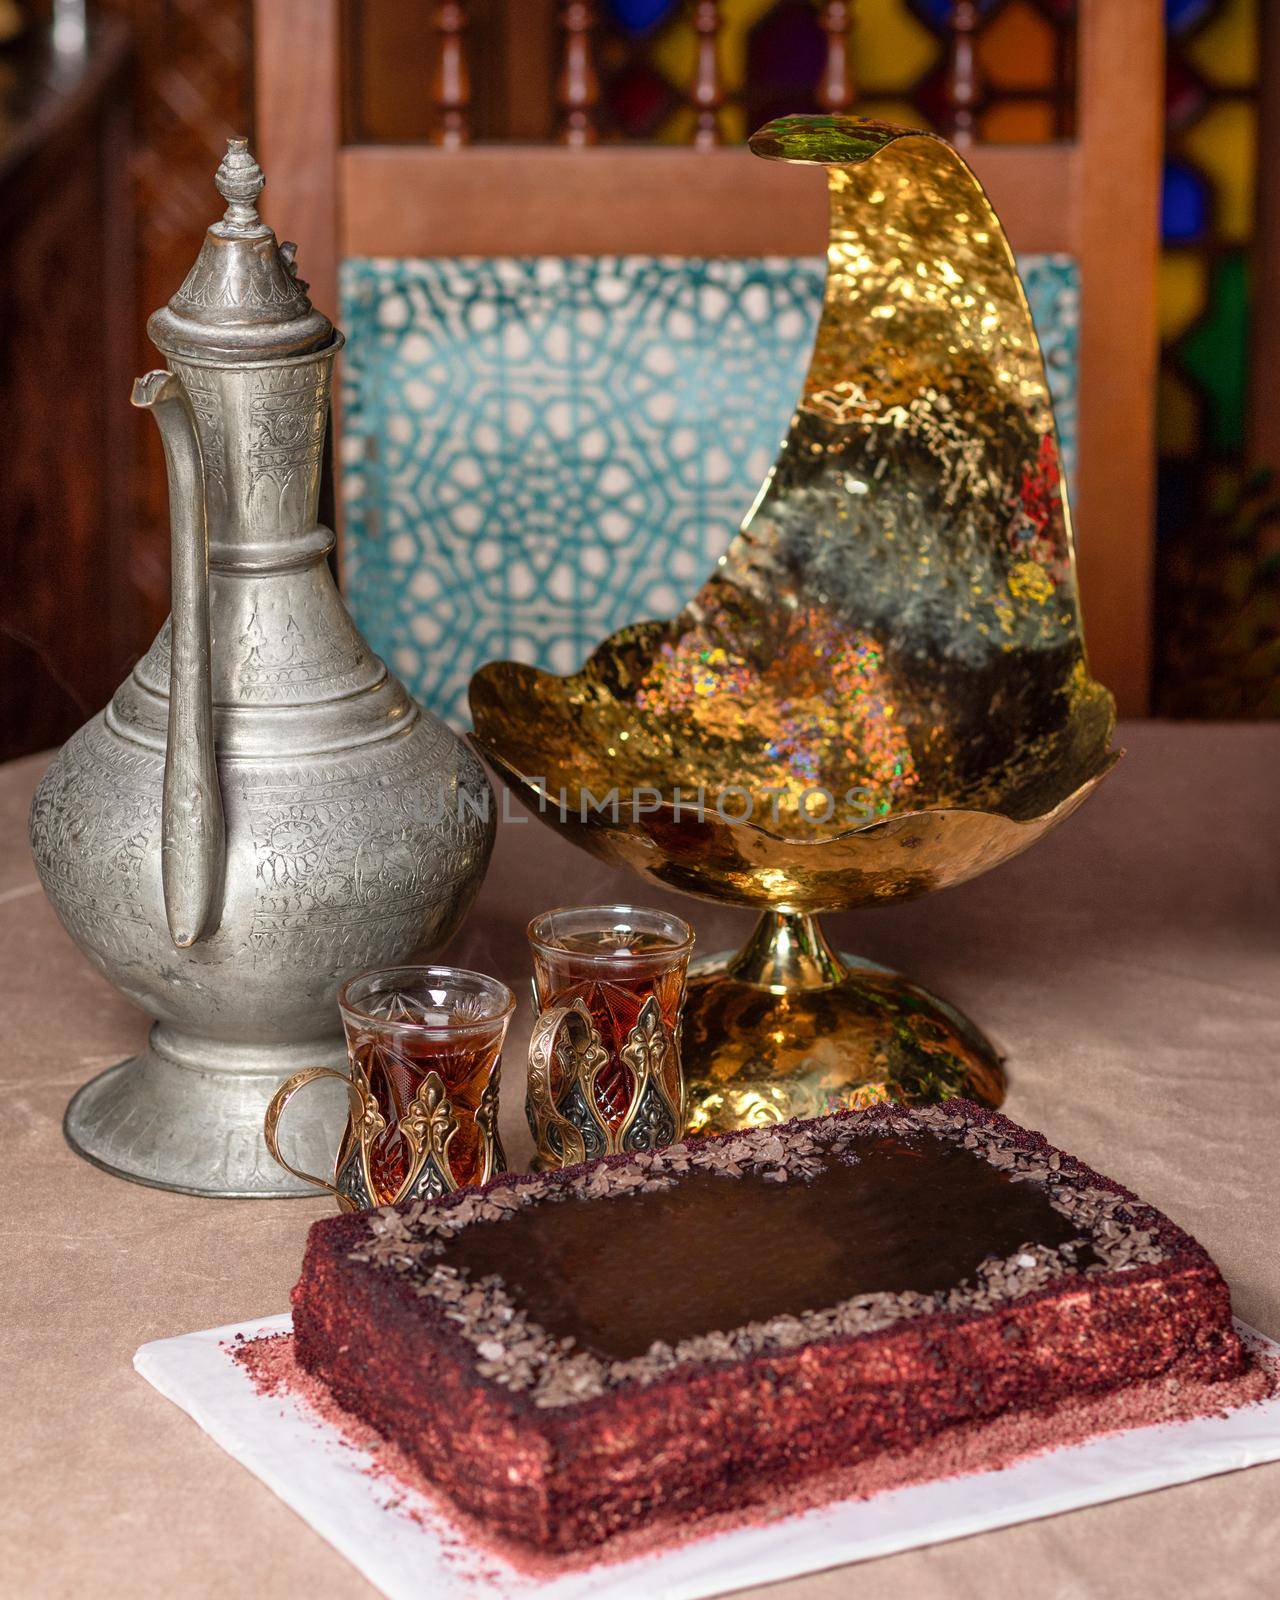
424 1045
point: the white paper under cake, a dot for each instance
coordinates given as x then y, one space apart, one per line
329 1483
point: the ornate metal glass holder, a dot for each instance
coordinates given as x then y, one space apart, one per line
424 1046
566 1058
881 691
604 1056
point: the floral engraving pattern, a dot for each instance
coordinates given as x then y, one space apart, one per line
298 664
287 421
207 406
210 286
354 860
338 845
90 857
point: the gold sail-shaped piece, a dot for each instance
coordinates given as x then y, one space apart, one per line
882 689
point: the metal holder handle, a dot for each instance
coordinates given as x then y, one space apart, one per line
562 1142
193 841
363 1111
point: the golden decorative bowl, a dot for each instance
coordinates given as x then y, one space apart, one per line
886 670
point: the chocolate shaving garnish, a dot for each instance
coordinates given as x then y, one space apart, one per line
517 1354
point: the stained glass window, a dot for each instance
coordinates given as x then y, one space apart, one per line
771 54
1215 594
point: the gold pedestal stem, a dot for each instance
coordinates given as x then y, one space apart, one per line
787 950
788 1027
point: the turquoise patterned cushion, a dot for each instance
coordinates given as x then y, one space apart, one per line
538 451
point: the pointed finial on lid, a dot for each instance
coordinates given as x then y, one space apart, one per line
243 299
239 180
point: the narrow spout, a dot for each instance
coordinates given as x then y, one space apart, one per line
193 831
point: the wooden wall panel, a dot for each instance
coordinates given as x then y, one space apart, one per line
409 200
65 610
1119 243
193 89
298 132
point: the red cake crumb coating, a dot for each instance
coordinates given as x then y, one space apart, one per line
985 1446
712 1436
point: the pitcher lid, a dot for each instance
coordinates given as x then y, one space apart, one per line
243 299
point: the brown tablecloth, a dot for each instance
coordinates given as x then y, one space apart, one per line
1129 966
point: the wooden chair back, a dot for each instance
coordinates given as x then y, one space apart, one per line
1094 198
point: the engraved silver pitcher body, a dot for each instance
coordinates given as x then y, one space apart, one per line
262 810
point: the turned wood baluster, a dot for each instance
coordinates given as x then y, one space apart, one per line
708 95
451 90
578 88
962 78
835 91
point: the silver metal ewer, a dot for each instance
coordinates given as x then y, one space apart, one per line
262 810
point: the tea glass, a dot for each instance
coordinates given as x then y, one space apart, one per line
424 1046
604 1057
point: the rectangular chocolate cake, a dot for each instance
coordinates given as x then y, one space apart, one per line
688 1330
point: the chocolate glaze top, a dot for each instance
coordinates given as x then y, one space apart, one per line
903 1214
807 1219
